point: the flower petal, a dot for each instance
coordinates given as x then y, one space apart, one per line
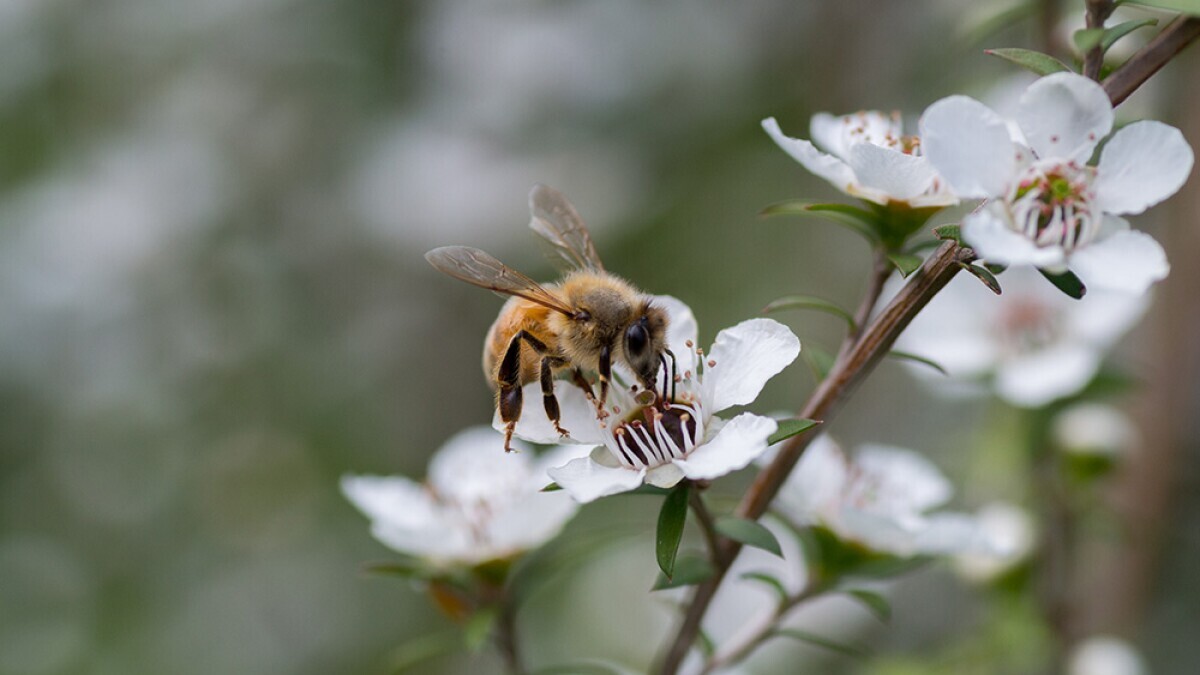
904 480
995 242
836 135
745 357
951 534
1128 261
969 146
1141 165
587 481
1103 316
832 169
1065 115
681 326
738 443
577 415
473 463
530 521
829 134
664 475
900 176
817 481
1033 380
405 518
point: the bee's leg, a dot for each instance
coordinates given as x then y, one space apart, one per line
548 398
508 396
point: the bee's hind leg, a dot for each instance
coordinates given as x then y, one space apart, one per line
548 398
508 394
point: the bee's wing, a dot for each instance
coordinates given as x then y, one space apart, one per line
556 221
476 267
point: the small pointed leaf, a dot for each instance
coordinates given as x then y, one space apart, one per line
775 584
810 302
907 263
1067 282
790 427
860 221
421 649
1191 7
1087 38
1111 35
671 520
1042 64
750 533
982 274
879 605
478 627
821 641
917 358
689 569
552 487
950 232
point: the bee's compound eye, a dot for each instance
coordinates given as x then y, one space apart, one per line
636 338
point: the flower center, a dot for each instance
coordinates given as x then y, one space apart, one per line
1051 204
1027 325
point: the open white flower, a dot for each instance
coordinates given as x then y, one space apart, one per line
879 500
1035 344
867 156
479 503
1047 207
648 444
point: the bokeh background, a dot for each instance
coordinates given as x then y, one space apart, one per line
213 302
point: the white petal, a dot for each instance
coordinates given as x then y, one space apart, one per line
664 475
531 521
904 480
1033 380
587 481
836 135
876 531
473 464
577 415
1103 316
390 498
955 330
900 176
738 443
817 481
830 168
1141 165
969 146
1065 115
951 533
1127 261
829 134
994 242
745 357
681 327
405 518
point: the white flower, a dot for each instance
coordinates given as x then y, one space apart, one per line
1011 535
878 500
1094 429
1037 344
1105 655
647 444
867 156
1048 207
478 503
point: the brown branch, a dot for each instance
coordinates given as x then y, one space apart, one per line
707 525
847 373
1097 13
1151 57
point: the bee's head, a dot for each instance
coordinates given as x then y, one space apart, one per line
644 344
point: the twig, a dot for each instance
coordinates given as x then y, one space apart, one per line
1154 55
880 271
766 628
505 637
1097 13
707 525
848 371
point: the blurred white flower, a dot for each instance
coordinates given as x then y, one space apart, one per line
1047 207
477 504
1036 344
1106 655
645 443
1094 429
880 499
866 155
1010 534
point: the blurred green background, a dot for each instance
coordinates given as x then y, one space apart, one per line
212 217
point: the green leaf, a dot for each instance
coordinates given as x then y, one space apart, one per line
982 274
790 427
810 302
995 268
689 569
775 584
905 262
820 641
861 221
750 533
1186 6
706 644
916 358
1067 282
421 649
1111 35
819 361
478 627
671 520
873 601
552 487
950 232
1086 38
1042 64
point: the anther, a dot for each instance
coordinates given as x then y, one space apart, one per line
711 363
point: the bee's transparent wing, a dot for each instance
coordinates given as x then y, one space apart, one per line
476 267
556 221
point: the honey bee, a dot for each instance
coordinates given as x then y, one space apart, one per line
584 323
